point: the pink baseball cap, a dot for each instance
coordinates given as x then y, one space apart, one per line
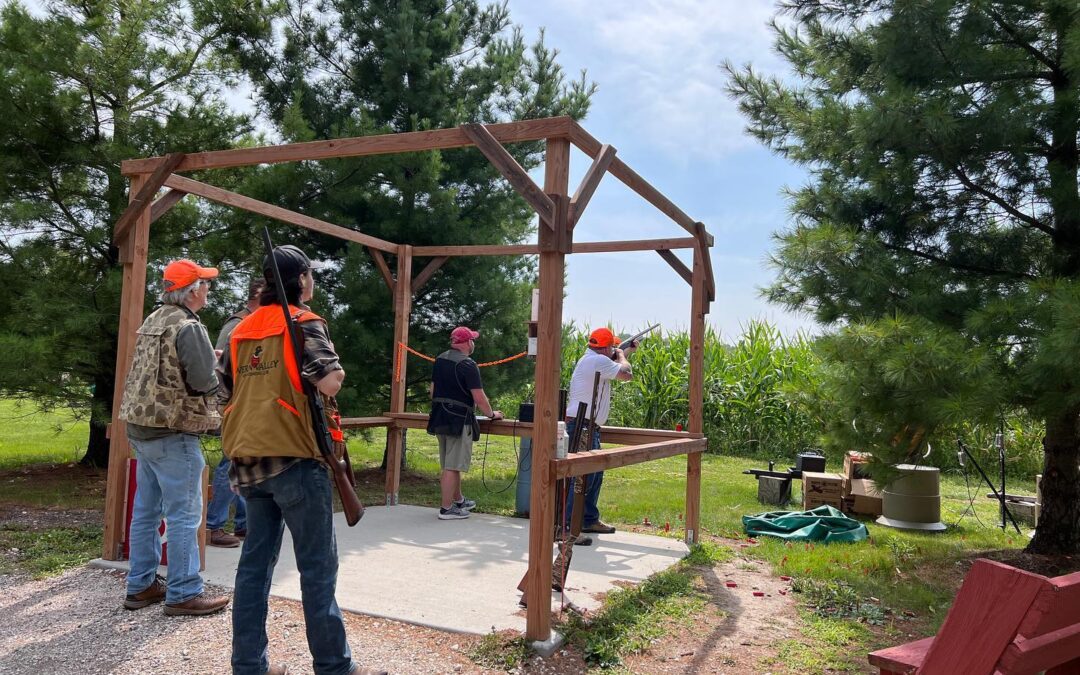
462 334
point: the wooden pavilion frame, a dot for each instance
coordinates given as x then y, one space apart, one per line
558 212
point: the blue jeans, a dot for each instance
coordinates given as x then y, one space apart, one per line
593 481
299 497
169 478
217 511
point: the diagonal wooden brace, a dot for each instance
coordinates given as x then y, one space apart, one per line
145 195
384 269
677 265
597 171
511 170
425 274
165 202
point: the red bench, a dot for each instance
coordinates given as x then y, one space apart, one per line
1004 620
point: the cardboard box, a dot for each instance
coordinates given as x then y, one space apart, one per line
855 464
813 501
864 495
822 488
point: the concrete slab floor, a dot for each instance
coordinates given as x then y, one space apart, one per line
403 563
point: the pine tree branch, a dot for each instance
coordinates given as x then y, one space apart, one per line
1023 44
975 269
1008 208
181 74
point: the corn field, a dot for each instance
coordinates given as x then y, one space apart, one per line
745 409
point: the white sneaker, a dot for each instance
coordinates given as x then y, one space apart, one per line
455 512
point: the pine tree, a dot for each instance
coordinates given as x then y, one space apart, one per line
347 68
86 86
941 224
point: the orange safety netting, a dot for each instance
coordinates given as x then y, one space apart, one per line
402 348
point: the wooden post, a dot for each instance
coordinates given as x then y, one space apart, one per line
133 252
402 309
548 357
696 394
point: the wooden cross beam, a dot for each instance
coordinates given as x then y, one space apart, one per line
425 274
590 182
511 170
677 265
143 197
276 212
165 202
384 269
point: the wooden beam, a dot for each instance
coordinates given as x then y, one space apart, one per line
382 144
395 440
366 422
147 189
239 201
590 182
546 408
384 269
132 296
165 202
677 265
582 463
479 249
425 274
619 435
505 163
591 147
704 243
634 245
696 395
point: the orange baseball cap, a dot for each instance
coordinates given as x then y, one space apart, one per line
180 273
603 337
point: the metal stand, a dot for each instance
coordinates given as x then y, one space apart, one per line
1000 496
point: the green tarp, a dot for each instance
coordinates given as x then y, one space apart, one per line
821 524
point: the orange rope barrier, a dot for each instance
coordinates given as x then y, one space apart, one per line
403 346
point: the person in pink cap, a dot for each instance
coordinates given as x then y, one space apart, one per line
456 393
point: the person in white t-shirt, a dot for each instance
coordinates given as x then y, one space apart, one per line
603 356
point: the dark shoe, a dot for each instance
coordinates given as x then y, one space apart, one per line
599 527
583 540
241 534
278 669
357 670
222 539
155 592
200 605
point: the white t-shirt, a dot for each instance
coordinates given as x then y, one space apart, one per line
581 384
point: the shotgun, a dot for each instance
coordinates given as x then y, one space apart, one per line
350 503
631 340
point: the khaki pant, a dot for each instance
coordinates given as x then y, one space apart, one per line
455 452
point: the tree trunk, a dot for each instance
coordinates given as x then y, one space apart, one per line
97 447
1059 521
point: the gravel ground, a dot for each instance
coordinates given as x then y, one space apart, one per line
75 622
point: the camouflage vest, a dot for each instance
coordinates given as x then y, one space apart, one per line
154 393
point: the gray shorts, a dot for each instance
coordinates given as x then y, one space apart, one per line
455 452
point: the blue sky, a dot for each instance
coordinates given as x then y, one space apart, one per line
661 103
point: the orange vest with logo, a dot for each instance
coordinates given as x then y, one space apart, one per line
268 414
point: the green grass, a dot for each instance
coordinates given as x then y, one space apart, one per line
28 436
47 552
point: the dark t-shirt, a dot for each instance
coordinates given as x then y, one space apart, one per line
453 377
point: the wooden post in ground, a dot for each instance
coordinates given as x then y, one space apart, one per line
696 393
553 245
402 308
133 252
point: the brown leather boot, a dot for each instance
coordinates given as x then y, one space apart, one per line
222 539
155 592
201 604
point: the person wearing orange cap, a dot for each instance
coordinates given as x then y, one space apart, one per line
166 404
602 356
456 393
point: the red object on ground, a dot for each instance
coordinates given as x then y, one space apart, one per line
678 427
785 578
132 464
730 584
759 594
783 591
667 526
